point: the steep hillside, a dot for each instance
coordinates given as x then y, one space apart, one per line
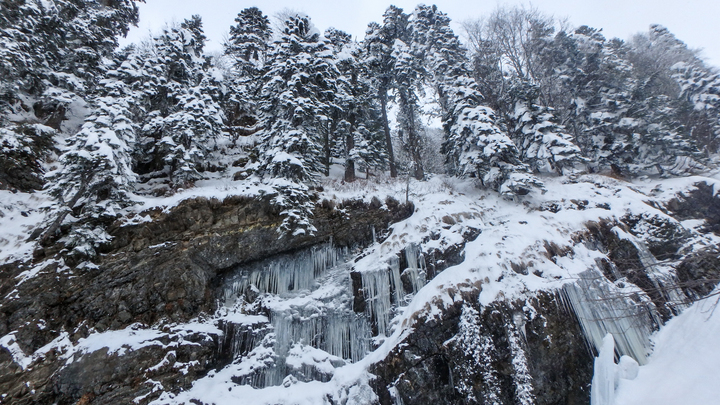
458 296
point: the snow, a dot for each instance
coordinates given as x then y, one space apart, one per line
20 213
685 365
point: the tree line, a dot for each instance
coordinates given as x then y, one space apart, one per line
526 96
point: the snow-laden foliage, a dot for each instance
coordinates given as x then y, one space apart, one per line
476 147
183 119
480 348
700 86
157 118
96 172
297 99
544 144
248 41
355 129
618 101
51 58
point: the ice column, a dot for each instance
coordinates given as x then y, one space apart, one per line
416 271
607 374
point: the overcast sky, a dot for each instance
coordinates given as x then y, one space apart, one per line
696 22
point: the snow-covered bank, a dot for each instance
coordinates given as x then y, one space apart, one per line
684 367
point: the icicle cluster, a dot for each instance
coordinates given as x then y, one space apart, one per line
384 290
416 267
601 308
287 273
341 333
664 283
378 287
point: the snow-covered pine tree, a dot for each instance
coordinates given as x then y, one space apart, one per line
599 86
247 47
297 101
51 56
474 145
700 89
661 144
358 117
96 172
544 144
662 139
408 74
184 118
378 43
248 41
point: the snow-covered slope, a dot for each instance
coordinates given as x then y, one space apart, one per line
320 324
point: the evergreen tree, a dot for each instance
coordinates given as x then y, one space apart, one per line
408 74
51 56
298 101
249 39
184 118
599 90
661 143
247 47
96 170
379 43
358 117
298 96
700 90
475 146
544 144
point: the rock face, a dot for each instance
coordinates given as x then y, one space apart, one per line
162 271
470 359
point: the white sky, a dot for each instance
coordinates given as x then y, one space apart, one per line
696 22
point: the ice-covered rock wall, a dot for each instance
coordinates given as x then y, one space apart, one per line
311 326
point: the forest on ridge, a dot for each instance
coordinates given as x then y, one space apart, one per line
526 96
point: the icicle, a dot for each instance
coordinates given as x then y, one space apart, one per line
395 395
373 235
285 273
376 286
601 309
665 283
416 271
397 286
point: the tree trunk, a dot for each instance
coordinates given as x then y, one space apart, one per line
386 126
326 146
413 138
349 146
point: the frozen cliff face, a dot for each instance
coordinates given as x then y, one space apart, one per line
461 297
